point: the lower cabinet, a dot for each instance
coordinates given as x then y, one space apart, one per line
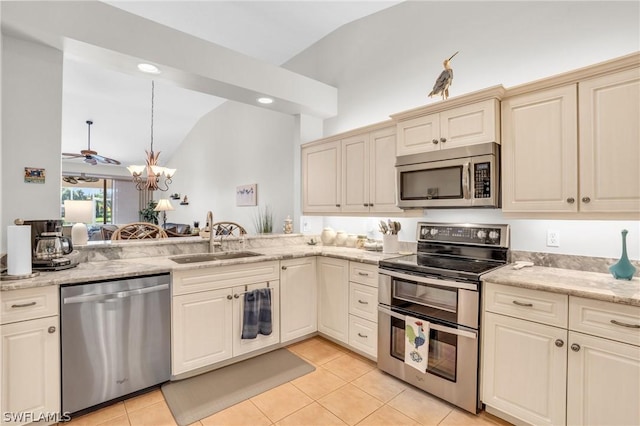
363 308
582 370
298 298
30 356
333 298
207 324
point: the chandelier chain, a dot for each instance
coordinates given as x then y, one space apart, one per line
152 96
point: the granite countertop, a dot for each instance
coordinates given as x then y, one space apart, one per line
592 285
122 268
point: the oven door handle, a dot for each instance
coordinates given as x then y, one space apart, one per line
456 331
425 280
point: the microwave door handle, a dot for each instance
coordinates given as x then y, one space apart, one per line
456 331
465 181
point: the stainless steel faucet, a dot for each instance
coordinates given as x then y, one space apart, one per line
212 247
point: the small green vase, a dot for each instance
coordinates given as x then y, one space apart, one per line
623 269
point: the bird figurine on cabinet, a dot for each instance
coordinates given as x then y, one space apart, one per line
444 80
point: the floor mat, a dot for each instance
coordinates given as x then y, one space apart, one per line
198 397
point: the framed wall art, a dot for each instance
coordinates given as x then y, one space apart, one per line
34 175
247 195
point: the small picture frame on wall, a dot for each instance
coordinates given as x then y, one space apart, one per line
247 195
34 175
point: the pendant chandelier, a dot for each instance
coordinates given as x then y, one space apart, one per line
151 177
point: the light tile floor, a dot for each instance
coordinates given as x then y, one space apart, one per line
345 389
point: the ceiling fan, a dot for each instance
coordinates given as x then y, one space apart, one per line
89 155
82 178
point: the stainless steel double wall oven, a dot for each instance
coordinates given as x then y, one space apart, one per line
440 285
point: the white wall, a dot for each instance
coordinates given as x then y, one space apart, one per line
235 144
387 63
31 117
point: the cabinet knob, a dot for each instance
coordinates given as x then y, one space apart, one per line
443 140
51 330
586 199
236 296
337 205
435 141
366 205
559 343
284 268
229 297
571 200
575 347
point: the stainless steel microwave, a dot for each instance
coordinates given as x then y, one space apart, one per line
467 176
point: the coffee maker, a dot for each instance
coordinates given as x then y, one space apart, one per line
48 246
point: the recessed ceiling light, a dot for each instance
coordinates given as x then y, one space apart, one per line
149 68
265 100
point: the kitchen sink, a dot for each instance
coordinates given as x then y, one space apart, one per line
208 257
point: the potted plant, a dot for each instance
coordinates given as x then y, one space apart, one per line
148 214
263 220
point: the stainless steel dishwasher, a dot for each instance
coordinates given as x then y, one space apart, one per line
115 339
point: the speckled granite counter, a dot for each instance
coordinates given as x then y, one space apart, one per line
593 285
119 268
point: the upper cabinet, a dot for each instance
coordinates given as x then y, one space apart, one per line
464 120
573 149
351 173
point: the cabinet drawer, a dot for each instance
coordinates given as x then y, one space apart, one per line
363 335
28 303
363 273
532 305
605 319
363 301
202 279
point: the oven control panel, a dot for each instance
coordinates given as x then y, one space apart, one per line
487 235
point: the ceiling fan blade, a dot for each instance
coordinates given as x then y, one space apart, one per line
72 155
70 179
105 160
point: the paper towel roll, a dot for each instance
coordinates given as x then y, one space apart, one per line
19 250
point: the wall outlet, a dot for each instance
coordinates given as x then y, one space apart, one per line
305 227
553 238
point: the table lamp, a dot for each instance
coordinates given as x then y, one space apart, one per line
78 212
163 206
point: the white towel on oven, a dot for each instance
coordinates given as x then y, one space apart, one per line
416 343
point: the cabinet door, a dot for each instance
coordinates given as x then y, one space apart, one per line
418 135
609 143
603 382
333 298
298 298
321 177
469 124
523 369
355 174
201 329
242 346
382 171
539 151
30 368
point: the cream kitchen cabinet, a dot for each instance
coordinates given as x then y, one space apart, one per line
573 148
333 298
460 121
207 313
363 308
298 298
554 359
30 354
351 173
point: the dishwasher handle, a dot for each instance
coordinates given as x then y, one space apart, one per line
111 296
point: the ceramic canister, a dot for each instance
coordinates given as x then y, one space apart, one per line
328 236
341 238
351 240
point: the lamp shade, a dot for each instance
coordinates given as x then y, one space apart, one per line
79 212
164 205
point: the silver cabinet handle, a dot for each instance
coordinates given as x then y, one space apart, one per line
23 305
443 140
363 274
527 305
575 347
586 199
435 141
624 324
51 330
559 343
571 200
364 336
363 302
284 268
229 297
